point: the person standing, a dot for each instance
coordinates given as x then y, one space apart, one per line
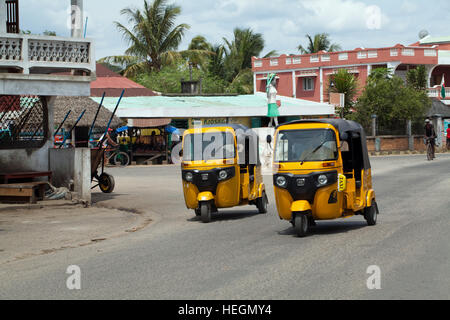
448 137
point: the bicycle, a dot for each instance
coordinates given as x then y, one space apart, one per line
430 153
117 158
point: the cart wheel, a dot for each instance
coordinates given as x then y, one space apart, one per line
205 212
261 203
301 225
121 159
370 214
106 183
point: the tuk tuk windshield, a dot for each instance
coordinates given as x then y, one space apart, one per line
212 145
306 145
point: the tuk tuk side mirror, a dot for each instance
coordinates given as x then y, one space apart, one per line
269 139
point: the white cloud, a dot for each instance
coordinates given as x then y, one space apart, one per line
284 23
340 15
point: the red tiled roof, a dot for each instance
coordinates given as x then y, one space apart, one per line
113 83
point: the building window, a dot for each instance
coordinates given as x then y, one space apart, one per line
273 62
308 84
297 60
394 52
343 56
258 64
408 52
430 53
325 57
23 122
372 54
362 54
288 60
314 58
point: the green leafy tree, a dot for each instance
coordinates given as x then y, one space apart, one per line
345 82
320 42
417 78
153 37
49 33
391 100
167 80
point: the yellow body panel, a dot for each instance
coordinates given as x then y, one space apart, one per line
300 206
205 196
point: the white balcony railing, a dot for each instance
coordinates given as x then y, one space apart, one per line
433 92
436 92
46 54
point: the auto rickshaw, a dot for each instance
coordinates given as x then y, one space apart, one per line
322 172
221 169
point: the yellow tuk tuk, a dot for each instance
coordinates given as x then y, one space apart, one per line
221 169
322 172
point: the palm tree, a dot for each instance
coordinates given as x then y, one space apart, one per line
198 51
321 42
153 37
216 65
239 51
345 82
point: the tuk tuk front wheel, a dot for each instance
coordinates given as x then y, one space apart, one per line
261 203
205 212
106 183
370 214
301 224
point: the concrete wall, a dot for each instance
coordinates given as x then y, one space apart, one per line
30 159
72 169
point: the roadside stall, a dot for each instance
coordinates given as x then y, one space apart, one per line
146 140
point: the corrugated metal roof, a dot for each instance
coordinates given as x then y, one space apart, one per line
217 106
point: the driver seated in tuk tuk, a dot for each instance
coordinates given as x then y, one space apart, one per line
326 150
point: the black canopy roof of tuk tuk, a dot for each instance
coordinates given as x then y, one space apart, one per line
347 129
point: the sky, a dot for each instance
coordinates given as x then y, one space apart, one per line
283 23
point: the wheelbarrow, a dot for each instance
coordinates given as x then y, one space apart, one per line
103 180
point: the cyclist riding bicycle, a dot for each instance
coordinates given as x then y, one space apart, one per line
430 135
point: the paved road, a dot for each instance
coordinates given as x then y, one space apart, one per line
243 255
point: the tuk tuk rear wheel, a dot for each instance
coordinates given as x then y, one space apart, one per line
301 225
370 214
205 212
261 203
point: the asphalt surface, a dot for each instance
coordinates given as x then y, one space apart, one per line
245 255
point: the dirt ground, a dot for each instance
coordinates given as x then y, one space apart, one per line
29 230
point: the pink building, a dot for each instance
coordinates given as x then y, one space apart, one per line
307 76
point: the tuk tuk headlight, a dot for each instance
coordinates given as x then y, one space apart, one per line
322 180
223 175
281 181
189 176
